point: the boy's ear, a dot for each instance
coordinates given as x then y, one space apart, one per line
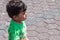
15 17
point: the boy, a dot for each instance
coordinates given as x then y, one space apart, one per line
16 11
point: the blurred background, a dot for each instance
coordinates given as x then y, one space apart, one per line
43 21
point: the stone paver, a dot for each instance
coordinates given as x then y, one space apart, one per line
43 21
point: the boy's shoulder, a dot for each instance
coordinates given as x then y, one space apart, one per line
15 24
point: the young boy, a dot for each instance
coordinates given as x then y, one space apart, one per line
17 29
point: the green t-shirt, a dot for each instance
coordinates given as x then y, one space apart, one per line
16 31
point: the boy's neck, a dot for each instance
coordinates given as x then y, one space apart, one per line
18 21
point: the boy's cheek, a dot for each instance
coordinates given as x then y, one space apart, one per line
22 18
25 17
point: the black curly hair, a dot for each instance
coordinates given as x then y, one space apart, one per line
15 7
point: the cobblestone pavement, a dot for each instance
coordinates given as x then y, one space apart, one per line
43 21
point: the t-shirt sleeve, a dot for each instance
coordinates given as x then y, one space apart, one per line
13 34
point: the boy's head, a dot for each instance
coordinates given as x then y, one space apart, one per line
16 10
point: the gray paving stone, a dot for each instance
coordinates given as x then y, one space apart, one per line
54 37
33 38
51 26
54 32
41 29
50 21
31 27
32 33
43 36
43 21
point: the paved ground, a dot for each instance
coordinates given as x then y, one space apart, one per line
43 22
